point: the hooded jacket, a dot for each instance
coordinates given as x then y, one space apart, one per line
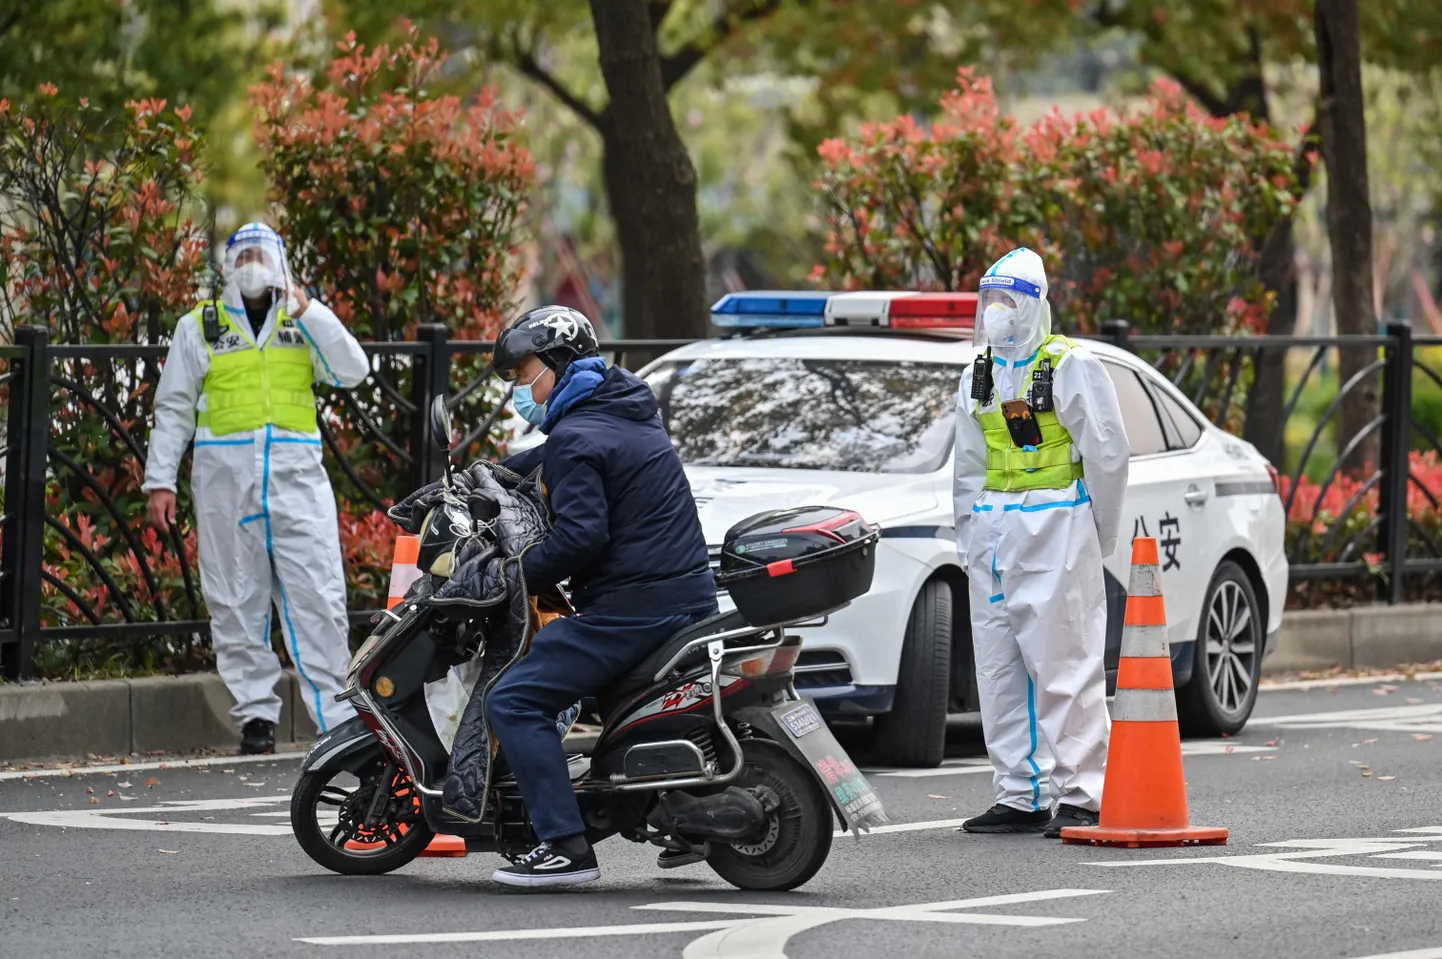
625 528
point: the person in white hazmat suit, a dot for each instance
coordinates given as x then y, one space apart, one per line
239 380
1038 490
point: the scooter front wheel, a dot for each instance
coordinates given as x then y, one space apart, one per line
329 811
796 840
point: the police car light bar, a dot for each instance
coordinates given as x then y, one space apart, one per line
771 309
903 310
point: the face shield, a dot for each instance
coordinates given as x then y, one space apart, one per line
1014 317
255 265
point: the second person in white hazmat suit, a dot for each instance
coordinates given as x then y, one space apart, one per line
1038 493
239 380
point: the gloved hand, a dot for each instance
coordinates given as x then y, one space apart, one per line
411 512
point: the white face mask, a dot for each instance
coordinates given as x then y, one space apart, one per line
999 322
253 279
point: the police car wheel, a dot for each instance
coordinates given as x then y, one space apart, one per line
1219 697
914 732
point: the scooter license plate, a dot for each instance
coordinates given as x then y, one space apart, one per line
858 802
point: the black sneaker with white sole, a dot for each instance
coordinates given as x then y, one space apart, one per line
1068 815
1003 818
257 738
564 863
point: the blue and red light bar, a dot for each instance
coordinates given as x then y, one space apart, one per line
902 310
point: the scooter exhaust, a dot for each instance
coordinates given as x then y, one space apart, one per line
732 815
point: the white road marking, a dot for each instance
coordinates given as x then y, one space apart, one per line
118 818
1410 954
1302 685
51 772
1301 861
1424 718
906 827
763 937
511 935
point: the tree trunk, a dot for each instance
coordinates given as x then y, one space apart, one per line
1267 401
650 182
1349 214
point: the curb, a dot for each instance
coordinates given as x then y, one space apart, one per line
1364 637
152 715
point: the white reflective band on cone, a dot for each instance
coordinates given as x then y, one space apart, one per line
1145 706
1146 580
1145 642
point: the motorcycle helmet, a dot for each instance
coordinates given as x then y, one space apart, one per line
556 334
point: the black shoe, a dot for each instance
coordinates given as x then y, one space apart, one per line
1068 815
257 737
675 858
565 863
1001 818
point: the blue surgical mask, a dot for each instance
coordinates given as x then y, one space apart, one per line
526 406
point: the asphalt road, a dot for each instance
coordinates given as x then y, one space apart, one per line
1331 794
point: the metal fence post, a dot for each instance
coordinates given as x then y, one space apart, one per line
1396 447
432 378
24 550
1119 331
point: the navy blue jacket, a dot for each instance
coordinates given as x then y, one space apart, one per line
626 531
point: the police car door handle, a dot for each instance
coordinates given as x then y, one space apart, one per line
1195 497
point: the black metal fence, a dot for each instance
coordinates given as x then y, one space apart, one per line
80 569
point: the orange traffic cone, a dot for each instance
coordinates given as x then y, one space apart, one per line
1144 797
446 847
404 570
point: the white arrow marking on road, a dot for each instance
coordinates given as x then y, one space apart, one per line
111 818
756 938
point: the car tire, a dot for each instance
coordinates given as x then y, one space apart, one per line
914 732
1231 636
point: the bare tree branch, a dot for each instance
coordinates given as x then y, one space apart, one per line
524 57
675 67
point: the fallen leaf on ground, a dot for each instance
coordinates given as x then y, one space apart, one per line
90 789
1413 700
125 798
1385 779
1359 765
1379 692
1231 749
207 817
123 785
1271 742
109 793
1366 774
152 781
227 770
1421 737
935 796
256 785
170 852
94 801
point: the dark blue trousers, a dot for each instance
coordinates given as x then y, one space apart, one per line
569 659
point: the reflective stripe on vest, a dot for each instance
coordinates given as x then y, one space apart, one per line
248 388
1009 468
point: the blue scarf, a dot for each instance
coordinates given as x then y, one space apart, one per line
577 384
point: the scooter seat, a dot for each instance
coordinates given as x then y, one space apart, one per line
643 674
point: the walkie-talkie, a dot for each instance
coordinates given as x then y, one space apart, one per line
1041 398
210 323
981 378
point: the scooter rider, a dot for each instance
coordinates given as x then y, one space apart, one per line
627 536
1041 471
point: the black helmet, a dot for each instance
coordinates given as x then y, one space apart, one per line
556 334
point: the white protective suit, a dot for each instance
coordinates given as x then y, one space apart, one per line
1034 558
265 512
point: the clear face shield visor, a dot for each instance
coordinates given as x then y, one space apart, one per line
256 264
1012 317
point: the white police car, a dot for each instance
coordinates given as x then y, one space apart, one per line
849 400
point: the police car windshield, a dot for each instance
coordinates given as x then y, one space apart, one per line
777 412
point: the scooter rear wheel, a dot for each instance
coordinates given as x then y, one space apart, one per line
797 838
345 845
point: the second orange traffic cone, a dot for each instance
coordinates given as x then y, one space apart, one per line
1144 796
404 570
